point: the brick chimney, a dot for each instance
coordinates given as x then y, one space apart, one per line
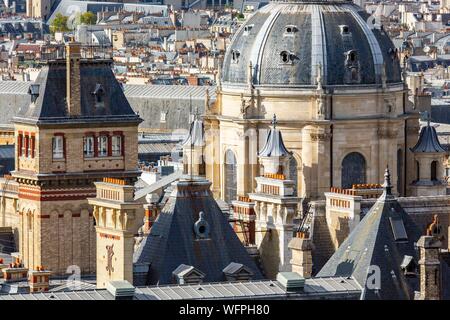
39 279
15 272
73 56
430 268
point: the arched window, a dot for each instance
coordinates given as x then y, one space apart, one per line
434 171
353 170
230 176
400 171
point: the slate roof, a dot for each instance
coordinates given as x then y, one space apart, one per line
274 146
428 141
172 240
50 105
318 41
381 240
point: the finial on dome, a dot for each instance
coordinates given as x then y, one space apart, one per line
274 121
387 182
426 117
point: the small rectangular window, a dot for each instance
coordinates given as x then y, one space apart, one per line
102 146
88 146
116 145
30 147
23 145
58 147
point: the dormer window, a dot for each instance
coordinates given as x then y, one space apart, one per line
352 56
235 56
33 91
99 93
290 29
344 29
286 57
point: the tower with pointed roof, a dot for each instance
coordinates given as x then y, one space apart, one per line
429 156
77 129
380 252
275 204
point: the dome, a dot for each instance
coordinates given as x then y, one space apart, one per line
290 43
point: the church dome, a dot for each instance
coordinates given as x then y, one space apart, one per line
289 43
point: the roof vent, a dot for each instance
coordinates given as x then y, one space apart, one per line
291 281
409 266
185 274
237 272
121 290
235 56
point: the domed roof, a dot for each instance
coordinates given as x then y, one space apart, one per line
290 43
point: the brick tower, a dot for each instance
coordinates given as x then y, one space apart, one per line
77 129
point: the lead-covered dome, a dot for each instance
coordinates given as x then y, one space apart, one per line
289 43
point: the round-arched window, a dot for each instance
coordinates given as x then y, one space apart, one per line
353 170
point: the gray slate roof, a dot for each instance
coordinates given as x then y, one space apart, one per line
372 244
428 141
318 41
172 240
50 106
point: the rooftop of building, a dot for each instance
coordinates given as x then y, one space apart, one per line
379 244
323 288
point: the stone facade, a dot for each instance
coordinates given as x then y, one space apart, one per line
115 213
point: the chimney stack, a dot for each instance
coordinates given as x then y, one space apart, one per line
430 268
301 261
73 56
39 279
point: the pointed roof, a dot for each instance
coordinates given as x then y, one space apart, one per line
428 140
196 134
180 236
274 146
381 240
